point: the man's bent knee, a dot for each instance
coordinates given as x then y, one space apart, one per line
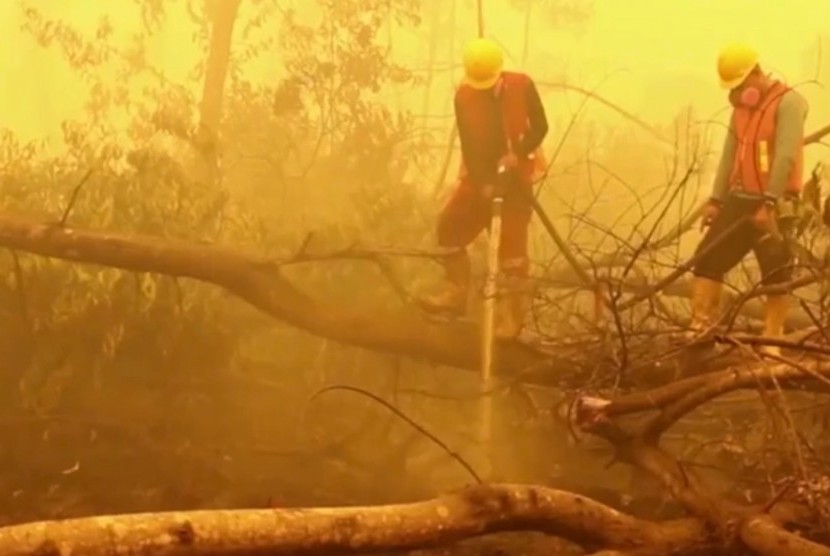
514 237
456 232
776 262
452 239
513 248
711 267
775 273
708 273
515 266
777 277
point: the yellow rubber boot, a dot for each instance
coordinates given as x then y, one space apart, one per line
453 293
706 296
774 319
511 309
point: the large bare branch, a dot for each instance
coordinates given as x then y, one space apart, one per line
472 512
263 284
763 529
681 396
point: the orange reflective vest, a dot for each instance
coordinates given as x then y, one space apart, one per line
755 137
511 91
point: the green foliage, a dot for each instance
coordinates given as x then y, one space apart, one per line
320 153
324 149
87 320
336 70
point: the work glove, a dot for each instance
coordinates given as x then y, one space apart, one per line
509 161
710 212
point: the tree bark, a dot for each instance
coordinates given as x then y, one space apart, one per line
222 17
262 284
762 534
472 512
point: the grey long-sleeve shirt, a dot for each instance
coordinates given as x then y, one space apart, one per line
789 134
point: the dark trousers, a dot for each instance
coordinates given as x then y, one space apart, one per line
773 254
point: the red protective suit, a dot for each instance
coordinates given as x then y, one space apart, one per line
490 122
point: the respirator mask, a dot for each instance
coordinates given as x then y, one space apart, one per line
745 97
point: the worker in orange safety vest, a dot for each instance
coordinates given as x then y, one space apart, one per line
761 165
501 123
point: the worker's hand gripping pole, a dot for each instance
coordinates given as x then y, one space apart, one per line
488 320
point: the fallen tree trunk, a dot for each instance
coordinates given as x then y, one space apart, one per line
475 511
262 284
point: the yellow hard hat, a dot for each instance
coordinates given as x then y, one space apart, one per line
483 61
735 63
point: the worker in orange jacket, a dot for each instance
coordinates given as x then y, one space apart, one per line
761 164
501 123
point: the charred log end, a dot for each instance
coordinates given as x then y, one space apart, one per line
47 548
183 534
